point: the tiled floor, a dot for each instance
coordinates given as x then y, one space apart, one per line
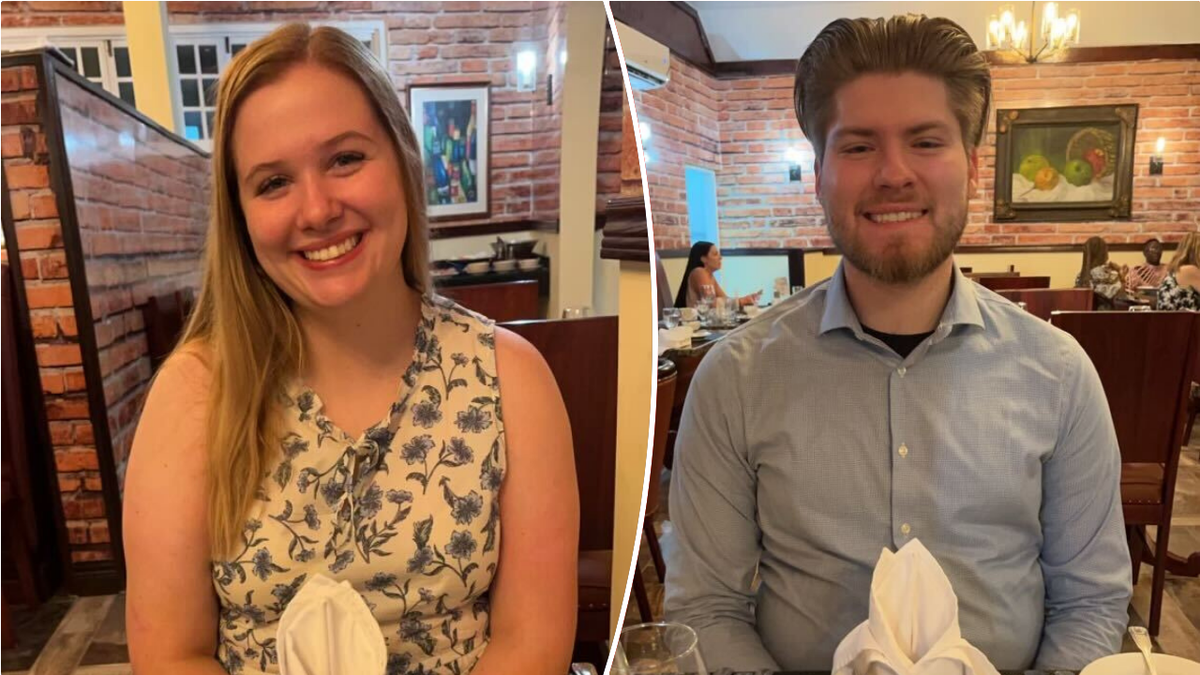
1179 633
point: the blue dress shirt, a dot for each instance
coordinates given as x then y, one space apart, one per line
807 446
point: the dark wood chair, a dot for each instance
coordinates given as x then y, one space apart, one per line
506 301
1143 359
664 399
685 369
1041 302
165 317
1012 282
582 354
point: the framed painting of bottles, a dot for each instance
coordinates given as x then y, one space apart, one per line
451 123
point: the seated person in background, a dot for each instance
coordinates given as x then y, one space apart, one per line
1100 274
1181 287
1150 274
897 400
698 280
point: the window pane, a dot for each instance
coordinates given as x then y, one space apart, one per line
125 90
236 48
69 52
208 59
209 118
121 55
210 92
91 61
191 93
187 59
191 126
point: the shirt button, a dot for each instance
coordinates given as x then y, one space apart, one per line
905 529
903 450
901 371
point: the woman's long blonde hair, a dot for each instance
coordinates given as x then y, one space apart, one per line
1188 252
243 323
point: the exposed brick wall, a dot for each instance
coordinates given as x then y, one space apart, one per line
684 121
428 43
51 311
141 215
141 201
758 207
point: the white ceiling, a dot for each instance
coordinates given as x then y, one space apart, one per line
751 30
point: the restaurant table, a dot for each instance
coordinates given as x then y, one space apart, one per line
701 345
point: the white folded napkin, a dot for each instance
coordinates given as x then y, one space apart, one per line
327 629
912 627
675 338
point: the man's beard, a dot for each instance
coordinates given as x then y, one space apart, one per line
896 264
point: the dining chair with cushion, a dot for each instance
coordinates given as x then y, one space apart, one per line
1143 359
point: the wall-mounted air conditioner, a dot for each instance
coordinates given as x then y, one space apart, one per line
649 62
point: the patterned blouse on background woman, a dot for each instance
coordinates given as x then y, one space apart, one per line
408 513
1172 296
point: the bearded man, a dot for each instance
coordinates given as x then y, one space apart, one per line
896 400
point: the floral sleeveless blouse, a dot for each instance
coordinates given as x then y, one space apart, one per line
408 513
1172 296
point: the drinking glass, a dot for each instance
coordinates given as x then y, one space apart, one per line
671 317
576 312
707 291
658 648
703 307
1141 308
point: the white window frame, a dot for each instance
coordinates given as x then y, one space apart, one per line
220 34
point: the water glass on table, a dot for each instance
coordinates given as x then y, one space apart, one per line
658 648
671 317
576 312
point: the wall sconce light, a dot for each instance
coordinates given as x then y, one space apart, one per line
793 159
1156 160
526 70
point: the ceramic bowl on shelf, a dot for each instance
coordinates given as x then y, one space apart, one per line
479 267
529 263
504 265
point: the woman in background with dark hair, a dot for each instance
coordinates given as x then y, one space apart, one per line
703 260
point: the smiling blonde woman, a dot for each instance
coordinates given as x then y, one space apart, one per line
327 414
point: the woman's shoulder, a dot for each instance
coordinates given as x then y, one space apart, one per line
449 311
701 275
1188 275
177 401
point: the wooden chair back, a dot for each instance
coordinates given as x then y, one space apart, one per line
582 354
1041 302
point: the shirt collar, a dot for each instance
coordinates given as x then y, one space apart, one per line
962 309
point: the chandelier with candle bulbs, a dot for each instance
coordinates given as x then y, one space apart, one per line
1005 33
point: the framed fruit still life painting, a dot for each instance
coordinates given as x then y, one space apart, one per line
1065 164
